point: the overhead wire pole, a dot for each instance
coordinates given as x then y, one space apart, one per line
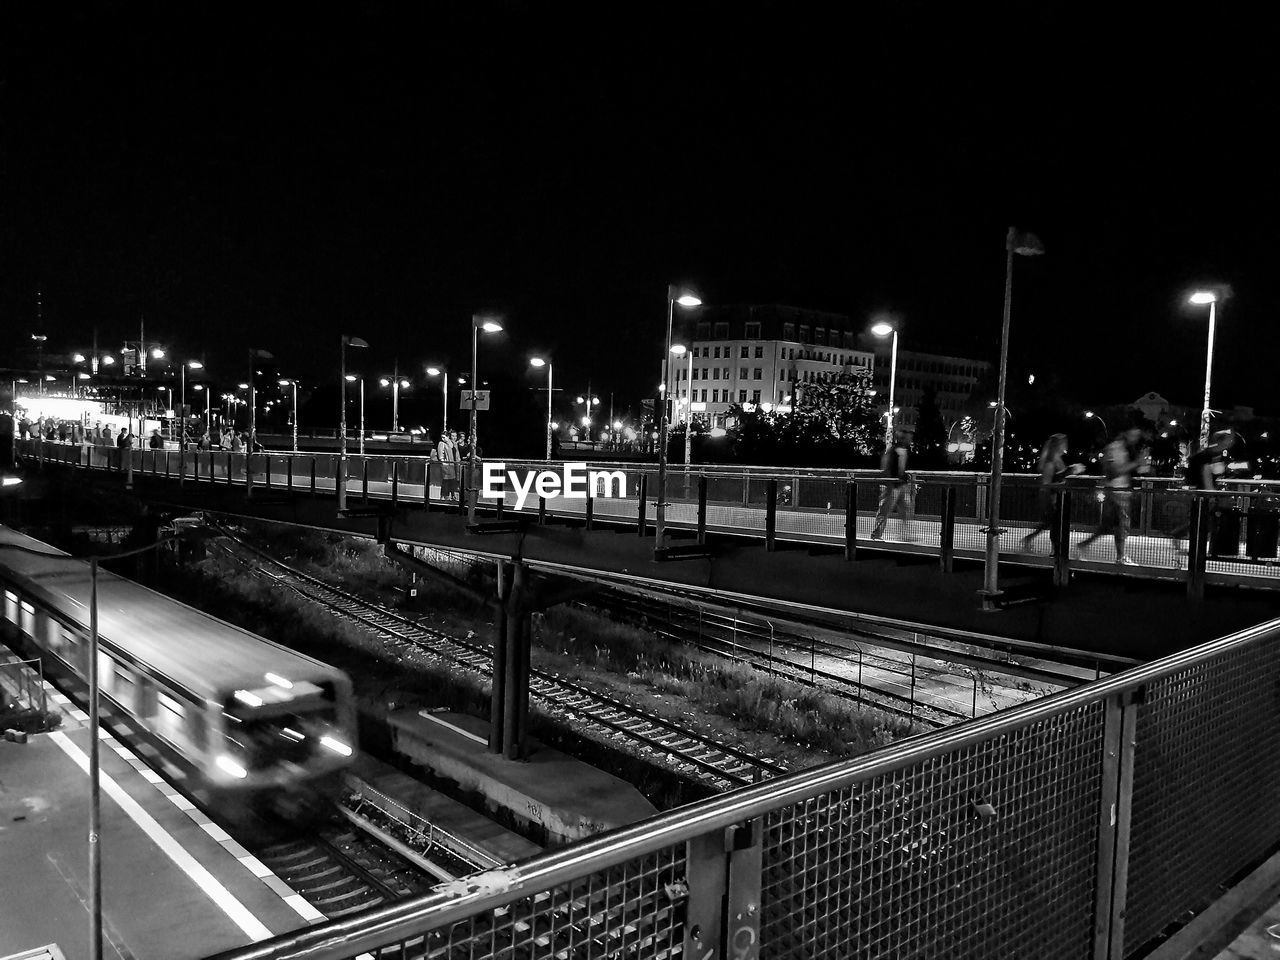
340 481
660 513
1026 245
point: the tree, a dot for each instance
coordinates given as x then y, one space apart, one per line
931 433
831 422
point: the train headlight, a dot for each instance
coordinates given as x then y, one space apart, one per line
228 765
337 746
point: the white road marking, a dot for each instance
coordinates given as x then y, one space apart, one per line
215 891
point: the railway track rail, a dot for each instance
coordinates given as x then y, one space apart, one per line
689 751
340 871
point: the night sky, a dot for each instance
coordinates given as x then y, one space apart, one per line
243 177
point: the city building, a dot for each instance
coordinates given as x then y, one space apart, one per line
954 380
757 355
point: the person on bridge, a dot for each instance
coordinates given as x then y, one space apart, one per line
1203 469
156 442
896 487
448 452
1053 476
1121 460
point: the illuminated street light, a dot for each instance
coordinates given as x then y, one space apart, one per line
290 382
342 420
1199 298
1090 415
679 350
686 300
157 354
540 362
883 329
78 358
478 323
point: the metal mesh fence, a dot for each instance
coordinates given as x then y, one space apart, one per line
1206 785
634 910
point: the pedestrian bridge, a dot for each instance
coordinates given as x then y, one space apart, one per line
1092 823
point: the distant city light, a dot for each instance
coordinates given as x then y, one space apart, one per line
78 358
1031 379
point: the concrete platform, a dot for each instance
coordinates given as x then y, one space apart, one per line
500 845
564 797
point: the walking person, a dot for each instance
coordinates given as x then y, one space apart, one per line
1121 460
896 488
1053 476
1202 471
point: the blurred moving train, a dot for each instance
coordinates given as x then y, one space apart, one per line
238 718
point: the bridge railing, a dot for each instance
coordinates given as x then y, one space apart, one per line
1087 824
1240 525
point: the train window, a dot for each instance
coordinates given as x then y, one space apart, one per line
28 624
146 698
11 606
196 729
106 669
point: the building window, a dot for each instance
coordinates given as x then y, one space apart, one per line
744 351
742 373
755 396
726 373
788 331
757 373
704 396
759 352
804 333
722 331
704 331
753 331
820 335
742 396
715 373
717 353
782 376
715 396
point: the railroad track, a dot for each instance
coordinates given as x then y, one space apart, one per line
689 751
339 871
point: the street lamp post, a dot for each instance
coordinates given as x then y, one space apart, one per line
288 382
1090 415
1027 245
680 350
884 329
208 405
395 382
342 420
352 378
443 374
539 362
1211 298
478 323
182 396
685 300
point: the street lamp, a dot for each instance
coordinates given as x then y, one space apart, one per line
1090 415
352 378
443 374
679 350
1025 245
688 301
1201 297
539 362
290 382
478 323
883 329
182 396
587 403
208 415
342 420
396 383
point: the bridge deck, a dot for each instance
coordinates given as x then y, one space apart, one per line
1106 614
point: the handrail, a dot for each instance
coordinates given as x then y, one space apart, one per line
457 901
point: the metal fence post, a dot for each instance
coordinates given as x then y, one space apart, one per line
702 508
542 511
642 507
946 549
771 514
313 476
288 473
851 520
1062 547
1197 546
267 457
1114 821
364 483
182 467
724 877
395 482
